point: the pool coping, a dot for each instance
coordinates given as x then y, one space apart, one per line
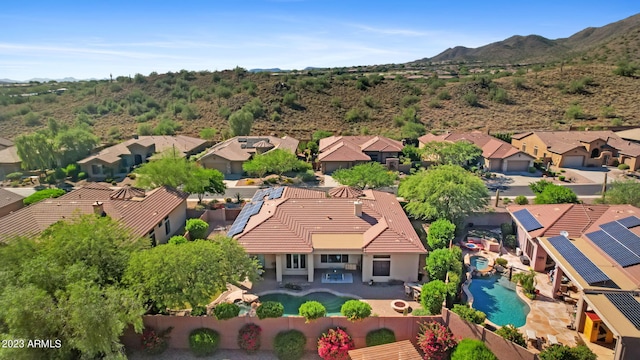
307 292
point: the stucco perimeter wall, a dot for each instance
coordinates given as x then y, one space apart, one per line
501 348
405 328
489 219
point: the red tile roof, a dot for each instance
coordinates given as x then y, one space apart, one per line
139 215
241 148
560 142
8 197
492 148
288 224
352 148
343 151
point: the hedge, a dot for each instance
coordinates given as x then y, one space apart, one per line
204 341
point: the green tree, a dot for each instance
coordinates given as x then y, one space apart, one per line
445 191
412 130
512 334
240 122
173 276
441 262
625 68
458 153
471 349
43 194
440 234
623 192
539 186
412 153
201 181
471 315
320 134
74 144
526 279
277 161
208 133
368 175
433 295
556 194
36 151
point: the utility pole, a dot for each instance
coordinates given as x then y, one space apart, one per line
604 187
497 198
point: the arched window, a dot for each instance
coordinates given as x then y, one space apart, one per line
595 153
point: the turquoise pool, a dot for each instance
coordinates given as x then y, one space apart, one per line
292 303
479 262
501 304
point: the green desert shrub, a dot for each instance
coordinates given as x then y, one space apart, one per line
312 310
177 240
14 176
471 99
355 310
468 349
197 228
563 352
510 241
421 312
270 309
380 337
204 341
289 345
502 261
512 334
42 194
225 311
471 315
623 167
521 200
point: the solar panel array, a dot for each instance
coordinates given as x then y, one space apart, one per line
628 306
272 193
527 220
587 269
613 248
630 222
241 221
623 236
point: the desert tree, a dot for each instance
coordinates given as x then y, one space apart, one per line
368 175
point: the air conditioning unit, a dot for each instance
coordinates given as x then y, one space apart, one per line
518 251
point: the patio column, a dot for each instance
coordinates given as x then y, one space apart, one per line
310 268
580 309
279 267
557 280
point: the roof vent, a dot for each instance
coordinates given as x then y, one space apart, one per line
564 233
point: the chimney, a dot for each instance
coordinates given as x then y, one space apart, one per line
357 208
98 208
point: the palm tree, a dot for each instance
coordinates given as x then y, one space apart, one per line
528 282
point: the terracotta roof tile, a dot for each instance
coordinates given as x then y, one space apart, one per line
8 197
5 143
345 192
560 142
346 148
343 151
9 156
241 148
492 148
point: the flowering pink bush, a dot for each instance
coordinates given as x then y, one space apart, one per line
435 340
335 345
249 338
155 342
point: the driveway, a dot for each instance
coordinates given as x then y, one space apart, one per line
594 174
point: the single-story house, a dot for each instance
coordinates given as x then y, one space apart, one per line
297 231
120 159
594 250
632 135
497 155
229 155
5 143
158 213
10 162
575 149
343 152
9 202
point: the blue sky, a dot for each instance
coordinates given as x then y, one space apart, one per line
83 39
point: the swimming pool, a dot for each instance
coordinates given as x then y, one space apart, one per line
479 262
501 304
292 303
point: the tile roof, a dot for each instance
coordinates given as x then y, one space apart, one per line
8 197
140 214
345 192
241 148
365 143
560 142
492 148
631 134
288 224
5 143
9 156
343 151
113 154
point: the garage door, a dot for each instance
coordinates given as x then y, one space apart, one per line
517 165
573 161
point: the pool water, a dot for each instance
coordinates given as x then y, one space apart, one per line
292 303
501 304
479 262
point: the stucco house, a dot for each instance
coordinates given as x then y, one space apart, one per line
9 202
575 149
497 155
229 155
158 213
297 231
594 251
9 161
120 159
343 152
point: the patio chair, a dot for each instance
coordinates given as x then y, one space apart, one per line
532 337
552 340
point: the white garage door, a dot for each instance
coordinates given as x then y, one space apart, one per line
573 161
517 165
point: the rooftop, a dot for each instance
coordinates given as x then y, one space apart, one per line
560 142
241 148
353 148
8 197
492 148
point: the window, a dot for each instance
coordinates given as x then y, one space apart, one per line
381 265
334 258
296 261
524 146
595 153
96 169
152 236
535 151
167 225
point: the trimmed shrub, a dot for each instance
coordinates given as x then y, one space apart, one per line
82 175
512 334
335 344
203 341
472 349
355 310
14 176
502 261
623 167
380 337
435 340
197 228
289 345
177 240
440 233
312 310
510 241
270 309
521 200
471 315
563 352
41 195
249 338
225 311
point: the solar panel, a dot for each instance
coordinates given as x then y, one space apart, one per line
628 306
624 236
618 252
527 220
255 208
588 270
259 195
241 221
630 222
276 193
